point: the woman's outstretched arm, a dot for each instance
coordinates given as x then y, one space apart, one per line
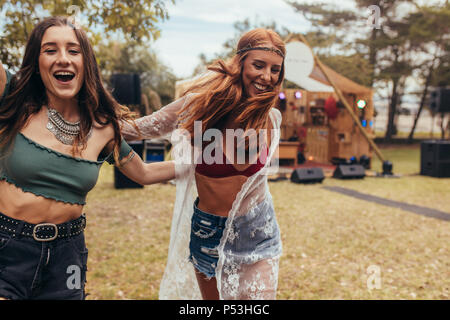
157 124
147 173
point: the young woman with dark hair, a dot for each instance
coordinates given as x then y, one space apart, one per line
225 240
58 125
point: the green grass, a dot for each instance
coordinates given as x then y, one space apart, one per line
329 239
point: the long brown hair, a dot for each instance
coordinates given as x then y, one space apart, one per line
28 92
222 92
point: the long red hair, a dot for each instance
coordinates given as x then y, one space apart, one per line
222 91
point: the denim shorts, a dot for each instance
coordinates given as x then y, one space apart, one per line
259 237
35 270
206 232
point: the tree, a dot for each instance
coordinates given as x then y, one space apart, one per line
395 65
329 36
354 66
436 46
129 20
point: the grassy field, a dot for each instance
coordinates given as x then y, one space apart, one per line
331 241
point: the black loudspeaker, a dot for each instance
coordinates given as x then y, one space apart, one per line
364 161
307 175
440 100
126 88
121 181
435 158
349 171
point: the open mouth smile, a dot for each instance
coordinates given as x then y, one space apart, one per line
261 87
64 76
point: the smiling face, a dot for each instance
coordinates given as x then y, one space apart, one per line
261 71
61 63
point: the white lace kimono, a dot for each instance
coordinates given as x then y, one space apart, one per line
238 277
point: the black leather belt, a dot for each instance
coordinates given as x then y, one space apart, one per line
42 231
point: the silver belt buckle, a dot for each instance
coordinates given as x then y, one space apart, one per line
45 225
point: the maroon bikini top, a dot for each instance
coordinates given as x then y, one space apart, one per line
225 169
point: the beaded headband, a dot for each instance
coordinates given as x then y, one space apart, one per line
248 48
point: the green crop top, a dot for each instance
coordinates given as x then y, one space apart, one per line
45 172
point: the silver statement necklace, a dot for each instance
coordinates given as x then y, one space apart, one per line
63 130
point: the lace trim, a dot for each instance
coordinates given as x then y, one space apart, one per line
62 155
230 283
11 181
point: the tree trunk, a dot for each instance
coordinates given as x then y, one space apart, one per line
422 99
422 104
392 111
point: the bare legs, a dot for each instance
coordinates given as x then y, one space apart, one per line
208 287
257 281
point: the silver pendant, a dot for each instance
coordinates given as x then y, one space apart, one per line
63 130
65 139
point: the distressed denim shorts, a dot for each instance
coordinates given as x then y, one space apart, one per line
34 270
259 237
206 232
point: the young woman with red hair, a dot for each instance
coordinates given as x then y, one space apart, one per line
225 241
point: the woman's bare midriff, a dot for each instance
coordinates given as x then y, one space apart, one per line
216 195
34 209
